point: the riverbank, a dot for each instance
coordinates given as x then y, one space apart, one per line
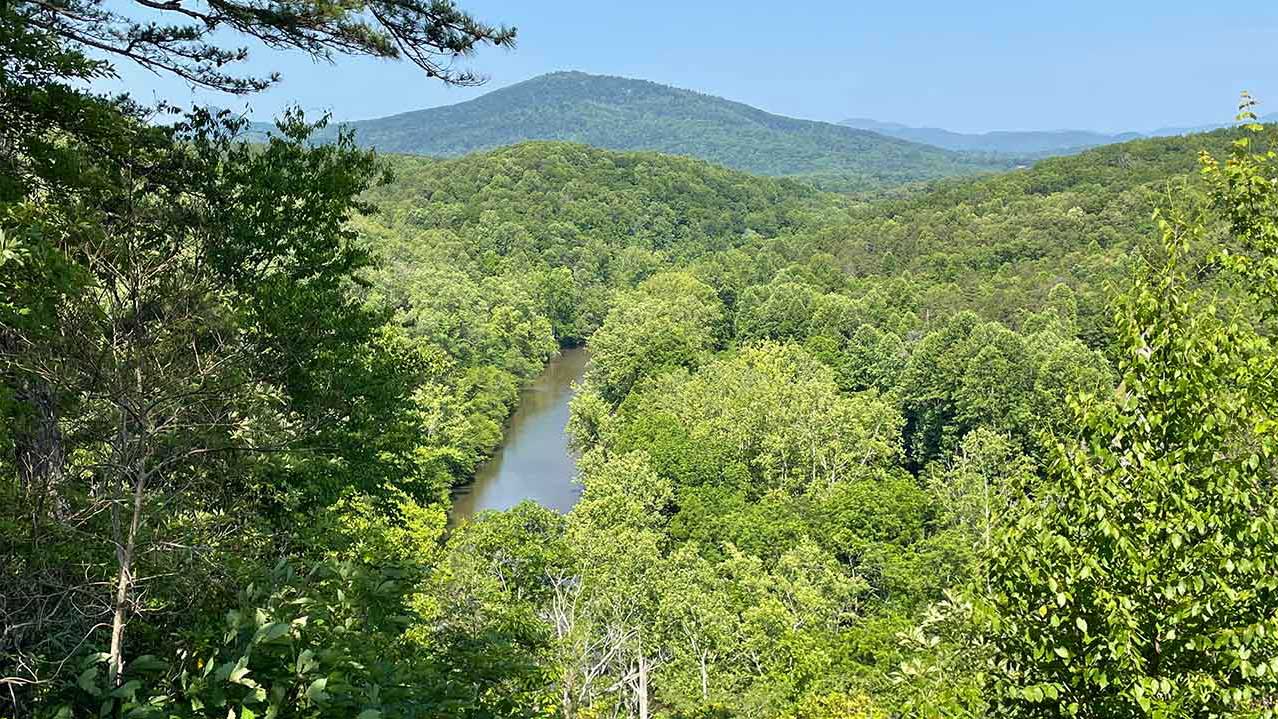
534 460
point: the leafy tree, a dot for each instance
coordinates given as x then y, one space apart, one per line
489 606
188 359
1141 582
669 322
696 617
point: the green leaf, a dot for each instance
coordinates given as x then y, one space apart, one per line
127 690
148 663
306 662
315 692
88 681
270 632
240 671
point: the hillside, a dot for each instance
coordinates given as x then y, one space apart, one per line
994 245
732 319
997 245
623 114
1065 219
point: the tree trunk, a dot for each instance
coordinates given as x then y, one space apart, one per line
124 552
642 691
705 680
566 696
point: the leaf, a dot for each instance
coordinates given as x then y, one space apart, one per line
369 714
88 681
127 690
148 663
271 632
315 692
240 671
306 661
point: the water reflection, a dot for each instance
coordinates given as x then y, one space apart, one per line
534 461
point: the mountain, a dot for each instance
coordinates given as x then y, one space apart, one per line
1027 143
1191 129
625 114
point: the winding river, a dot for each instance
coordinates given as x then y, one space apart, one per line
534 461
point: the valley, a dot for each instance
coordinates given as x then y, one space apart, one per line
534 462
594 397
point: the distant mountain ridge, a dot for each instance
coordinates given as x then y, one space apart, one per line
625 114
1025 143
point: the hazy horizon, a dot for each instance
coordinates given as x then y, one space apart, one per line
997 67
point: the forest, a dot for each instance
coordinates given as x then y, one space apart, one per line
991 446
624 114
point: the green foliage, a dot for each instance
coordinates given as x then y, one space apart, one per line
482 609
192 382
669 322
1141 582
178 39
813 431
971 374
623 114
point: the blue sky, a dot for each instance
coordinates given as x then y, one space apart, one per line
967 66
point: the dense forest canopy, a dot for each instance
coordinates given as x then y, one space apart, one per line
996 446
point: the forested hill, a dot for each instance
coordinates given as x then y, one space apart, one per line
492 260
795 400
624 114
621 199
996 245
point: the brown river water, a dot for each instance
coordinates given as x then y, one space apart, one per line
533 461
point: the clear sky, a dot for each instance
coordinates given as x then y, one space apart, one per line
966 66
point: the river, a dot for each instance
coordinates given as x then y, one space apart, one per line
533 461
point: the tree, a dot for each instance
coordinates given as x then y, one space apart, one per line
979 492
616 530
489 606
188 351
697 620
179 368
670 321
1142 581
776 411
176 37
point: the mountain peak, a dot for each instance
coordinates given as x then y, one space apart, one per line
628 114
